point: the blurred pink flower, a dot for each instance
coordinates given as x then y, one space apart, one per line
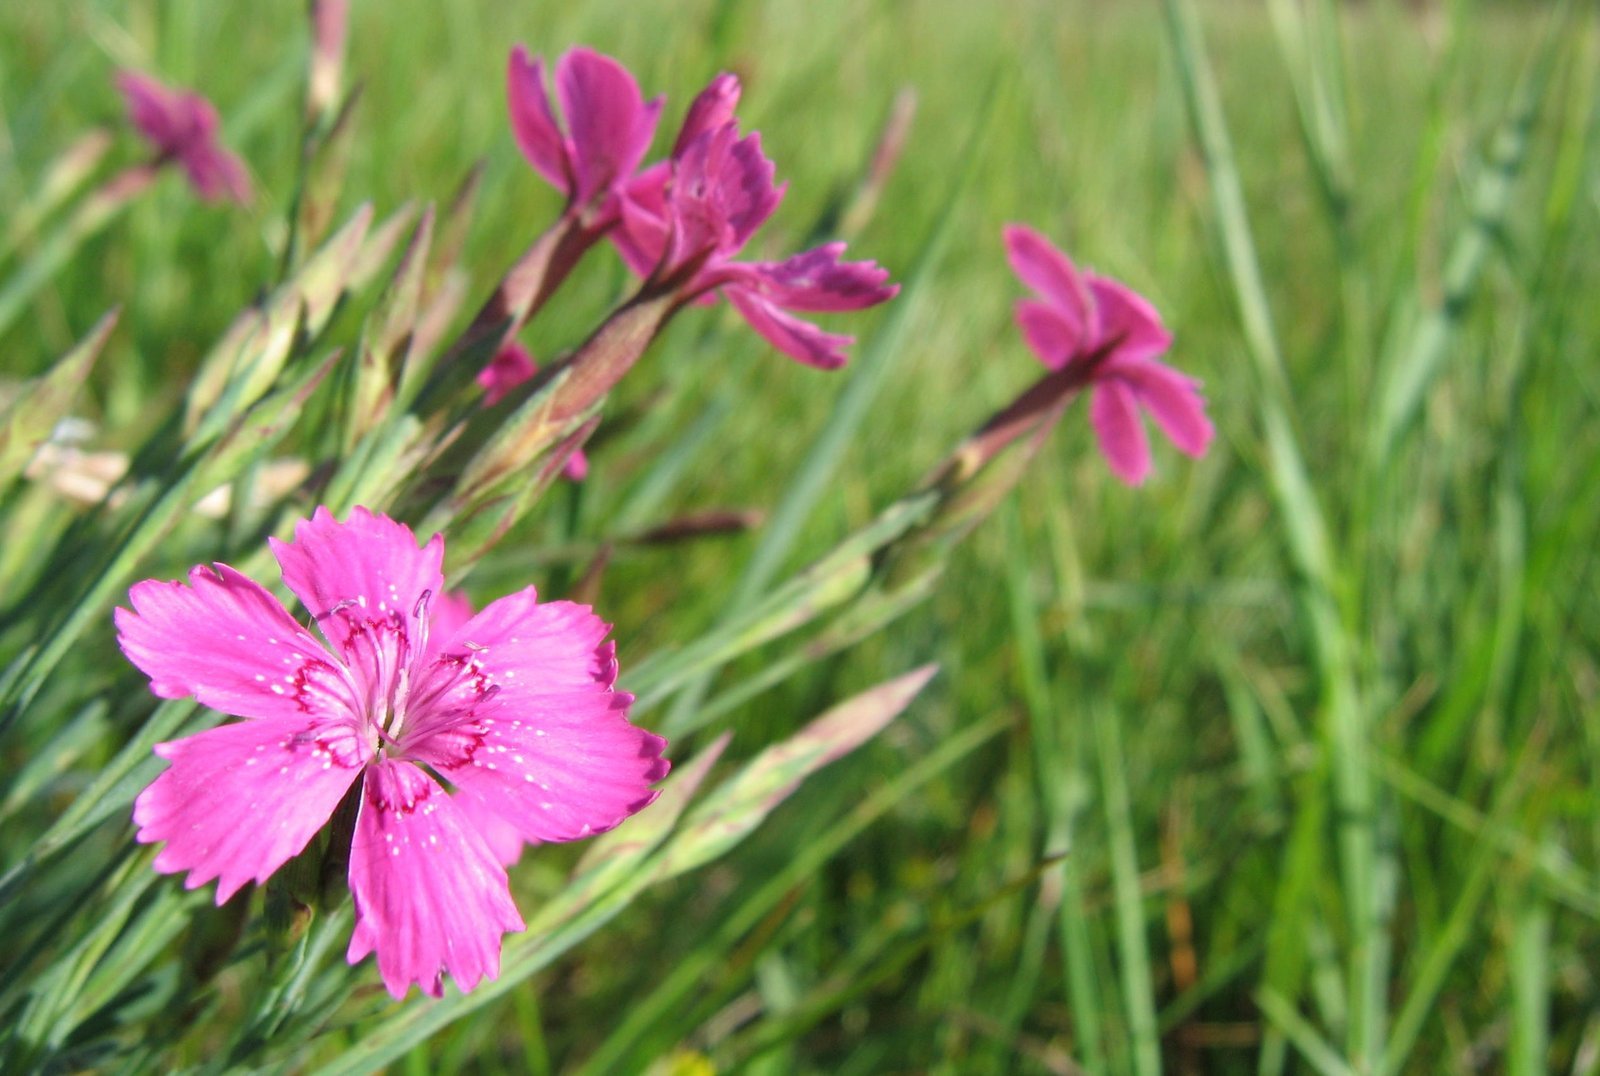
514 706
1081 317
684 220
182 126
608 123
510 367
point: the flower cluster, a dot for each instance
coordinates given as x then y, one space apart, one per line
681 222
462 737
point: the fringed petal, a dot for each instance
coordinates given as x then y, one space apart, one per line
798 339
239 801
430 896
228 642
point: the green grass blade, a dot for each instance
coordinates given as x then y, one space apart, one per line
1138 992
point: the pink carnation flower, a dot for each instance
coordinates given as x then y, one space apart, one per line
182 126
609 125
1081 317
514 707
684 220
511 366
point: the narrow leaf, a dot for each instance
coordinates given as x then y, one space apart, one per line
723 818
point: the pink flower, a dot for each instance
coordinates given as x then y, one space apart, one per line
685 219
1081 317
510 367
608 124
514 707
182 126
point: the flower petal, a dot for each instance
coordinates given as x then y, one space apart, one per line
534 125
368 586
696 199
369 562
749 189
519 712
557 768
644 219
817 280
215 173
1114 412
798 339
158 113
1172 399
1049 272
712 108
429 895
1128 317
446 614
228 642
501 836
510 367
239 801
1050 332
609 123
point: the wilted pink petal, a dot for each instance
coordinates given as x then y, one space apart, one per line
228 642
182 127
1173 400
1114 412
158 113
217 175
241 800
795 338
430 896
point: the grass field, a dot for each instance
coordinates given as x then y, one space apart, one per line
1284 762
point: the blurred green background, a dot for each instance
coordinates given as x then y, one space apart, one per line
1321 757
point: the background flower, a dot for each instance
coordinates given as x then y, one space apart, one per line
1082 317
183 127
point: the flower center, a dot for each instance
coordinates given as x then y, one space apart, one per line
381 649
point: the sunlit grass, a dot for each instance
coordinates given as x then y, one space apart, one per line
1138 679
